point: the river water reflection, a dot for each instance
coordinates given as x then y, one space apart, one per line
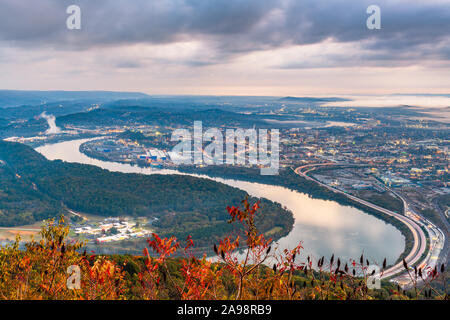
324 227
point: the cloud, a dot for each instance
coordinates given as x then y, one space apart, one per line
112 22
127 64
412 31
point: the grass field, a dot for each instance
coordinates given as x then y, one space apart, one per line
26 232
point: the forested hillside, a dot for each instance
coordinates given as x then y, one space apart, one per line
182 204
127 115
20 202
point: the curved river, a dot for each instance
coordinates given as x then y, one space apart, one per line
323 227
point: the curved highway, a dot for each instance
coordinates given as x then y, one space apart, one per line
420 241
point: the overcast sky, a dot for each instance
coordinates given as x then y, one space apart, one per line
233 47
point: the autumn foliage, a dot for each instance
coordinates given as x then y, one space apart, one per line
246 266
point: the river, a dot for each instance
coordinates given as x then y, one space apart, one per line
323 227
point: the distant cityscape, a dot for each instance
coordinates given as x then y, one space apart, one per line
396 163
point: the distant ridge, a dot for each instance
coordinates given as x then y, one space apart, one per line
310 99
13 98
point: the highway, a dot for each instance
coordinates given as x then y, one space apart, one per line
419 245
435 236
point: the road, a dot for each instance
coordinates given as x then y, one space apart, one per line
435 236
77 214
419 245
444 216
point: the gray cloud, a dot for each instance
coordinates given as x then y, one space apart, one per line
411 30
127 64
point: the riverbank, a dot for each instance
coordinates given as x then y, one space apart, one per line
324 227
287 178
180 205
